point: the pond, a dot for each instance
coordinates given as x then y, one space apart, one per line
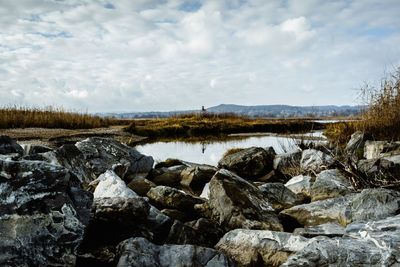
209 152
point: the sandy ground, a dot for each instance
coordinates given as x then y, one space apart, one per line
57 137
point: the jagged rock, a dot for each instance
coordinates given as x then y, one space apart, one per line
329 184
236 203
176 214
141 186
381 169
116 219
355 146
210 232
249 163
43 214
288 163
300 185
315 160
260 247
194 178
9 146
169 176
141 253
168 197
103 153
30 149
110 185
324 211
370 204
378 149
326 229
206 191
280 196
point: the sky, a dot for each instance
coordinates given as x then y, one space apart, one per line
147 55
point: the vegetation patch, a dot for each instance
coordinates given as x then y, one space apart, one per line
208 124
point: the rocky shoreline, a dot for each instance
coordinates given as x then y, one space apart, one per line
99 202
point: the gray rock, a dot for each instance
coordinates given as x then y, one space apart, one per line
249 163
169 176
168 197
370 204
315 161
109 185
207 230
236 203
381 170
260 247
288 163
141 253
329 184
43 214
378 149
280 196
300 185
9 146
194 178
355 146
326 229
30 149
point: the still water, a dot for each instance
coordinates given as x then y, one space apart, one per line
206 152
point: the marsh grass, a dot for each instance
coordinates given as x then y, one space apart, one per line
209 124
50 117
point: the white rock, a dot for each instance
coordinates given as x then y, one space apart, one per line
110 185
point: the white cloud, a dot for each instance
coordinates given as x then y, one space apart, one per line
155 55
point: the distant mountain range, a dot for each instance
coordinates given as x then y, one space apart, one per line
275 111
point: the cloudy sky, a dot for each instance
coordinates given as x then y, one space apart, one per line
142 55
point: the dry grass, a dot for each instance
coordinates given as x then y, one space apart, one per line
21 117
215 125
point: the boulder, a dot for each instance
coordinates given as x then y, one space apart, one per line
326 229
169 176
236 203
249 163
9 146
209 231
141 186
176 215
103 153
355 146
30 149
110 185
280 196
141 253
288 163
370 204
382 170
329 184
260 247
194 178
378 149
43 214
315 161
301 185
168 197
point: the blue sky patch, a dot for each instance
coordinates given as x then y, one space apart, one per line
190 6
109 6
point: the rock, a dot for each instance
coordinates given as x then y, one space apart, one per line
112 221
9 146
323 251
176 214
170 176
236 203
315 161
206 191
378 149
110 185
141 186
355 146
329 184
260 247
184 234
43 214
141 253
30 149
326 229
288 163
168 197
280 196
383 170
333 210
100 154
194 178
209 231
249 163
170 163
300 185
370 204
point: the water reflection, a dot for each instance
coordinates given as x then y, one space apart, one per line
210 152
